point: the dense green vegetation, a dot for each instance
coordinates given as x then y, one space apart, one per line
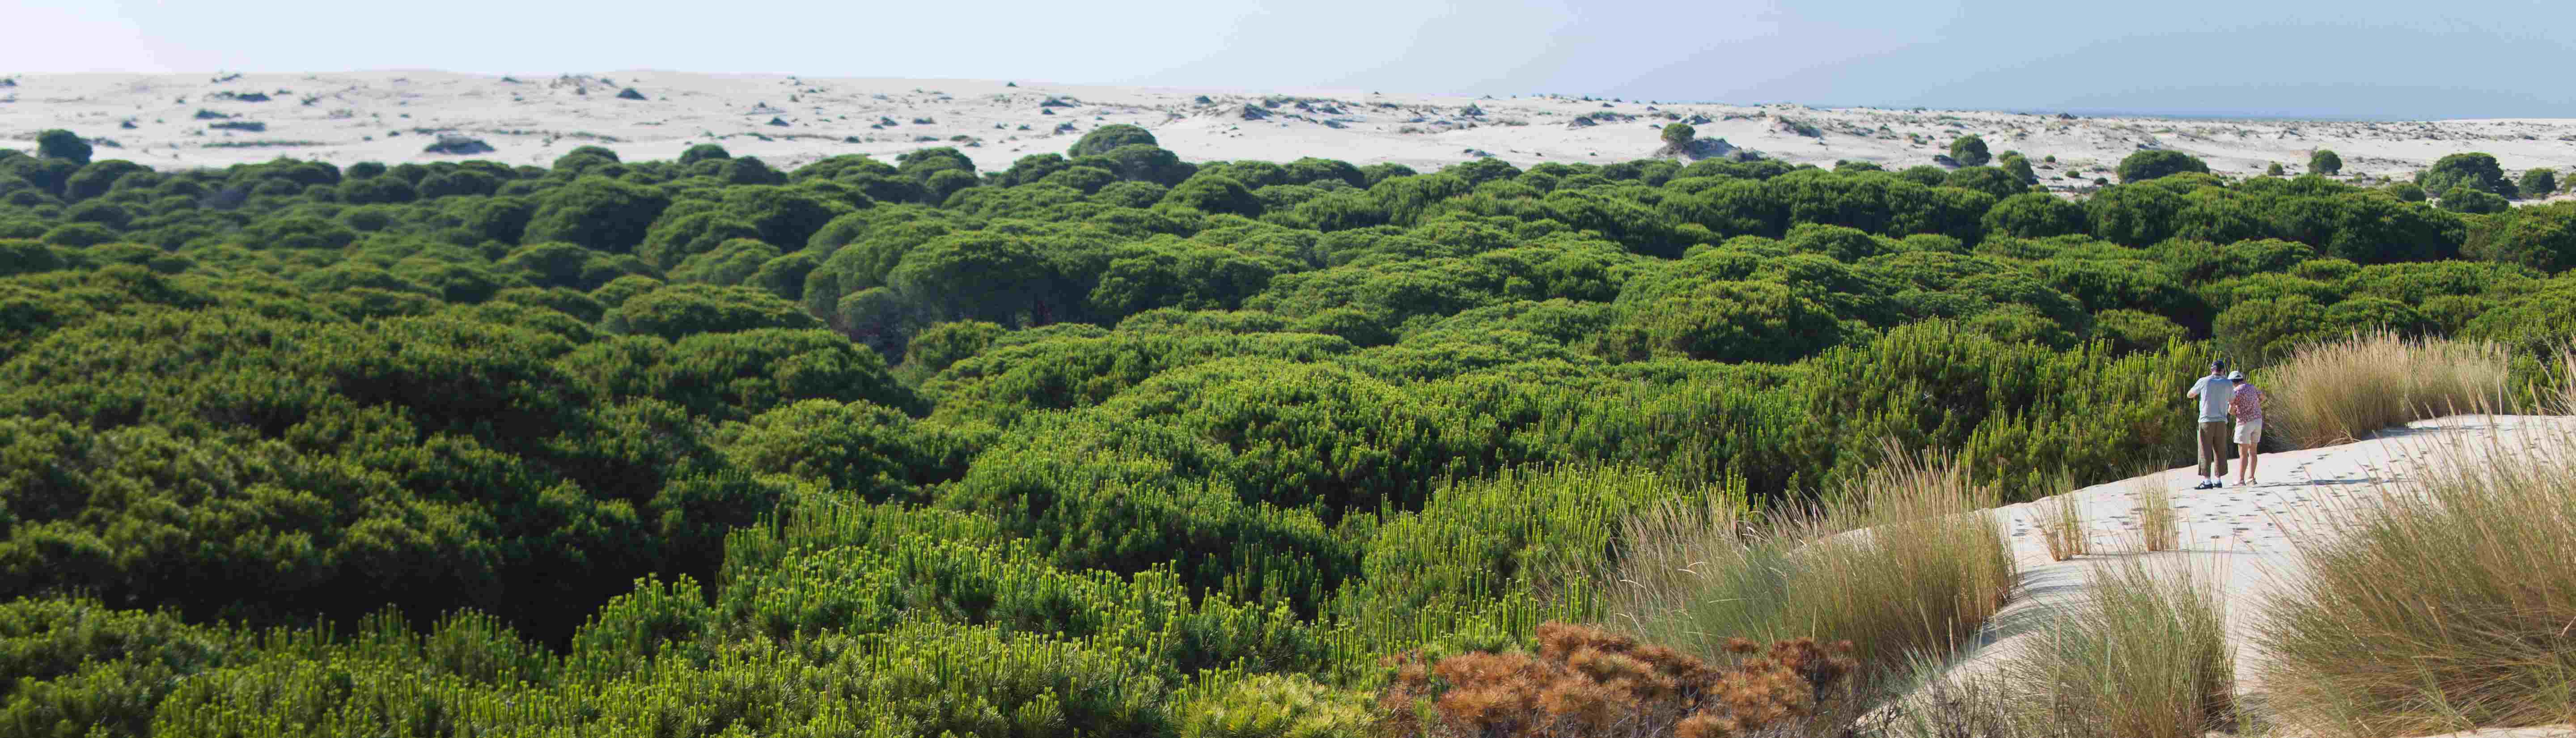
1107 440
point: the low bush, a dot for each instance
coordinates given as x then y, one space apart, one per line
2476 171
1970 151
1588 682
2325 162
2156 163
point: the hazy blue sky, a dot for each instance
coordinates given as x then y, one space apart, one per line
2371 58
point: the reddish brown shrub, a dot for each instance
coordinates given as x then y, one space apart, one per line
1588 682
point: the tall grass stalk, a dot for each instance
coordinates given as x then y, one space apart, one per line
2450 606
2331 393
1901 561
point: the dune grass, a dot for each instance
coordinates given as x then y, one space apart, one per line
2450 605
2061 525
2330 393
2158 522
2146 657
1899 562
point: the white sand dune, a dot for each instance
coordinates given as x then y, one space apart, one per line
2239 538
391 116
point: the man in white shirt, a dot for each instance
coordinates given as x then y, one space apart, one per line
2213 392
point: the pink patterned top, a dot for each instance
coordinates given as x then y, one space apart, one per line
2248 403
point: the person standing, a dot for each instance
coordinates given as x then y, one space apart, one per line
2213 391
2246 403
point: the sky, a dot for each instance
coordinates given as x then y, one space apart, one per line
2281 58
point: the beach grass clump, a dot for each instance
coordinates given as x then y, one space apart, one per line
2146 657
2061 524
2445 608
1902 560
2337 392
2159 523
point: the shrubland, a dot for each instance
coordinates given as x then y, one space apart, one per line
1106 441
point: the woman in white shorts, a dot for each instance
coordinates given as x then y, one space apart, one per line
2247 406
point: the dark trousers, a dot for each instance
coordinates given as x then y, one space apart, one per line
2213 448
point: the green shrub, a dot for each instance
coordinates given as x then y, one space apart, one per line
61 144
2465 198
77 235
1970 151
2020 169
2325 162
704 152
858 448
2158 163
96 178
1272 706
596 213
684 310
1214 194
1989 180
2541 237
2474 171
942 345
1677 135
2538 182
730 264
1102 140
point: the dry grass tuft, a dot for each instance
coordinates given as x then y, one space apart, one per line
2447 607
1588 682
2061 523
2331 393
1903 561
2147 657
2158 521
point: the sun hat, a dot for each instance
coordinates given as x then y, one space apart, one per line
2235 376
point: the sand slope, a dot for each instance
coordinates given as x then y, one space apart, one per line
390 116
2239 537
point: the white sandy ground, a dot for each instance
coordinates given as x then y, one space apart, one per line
2234 537
389 116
